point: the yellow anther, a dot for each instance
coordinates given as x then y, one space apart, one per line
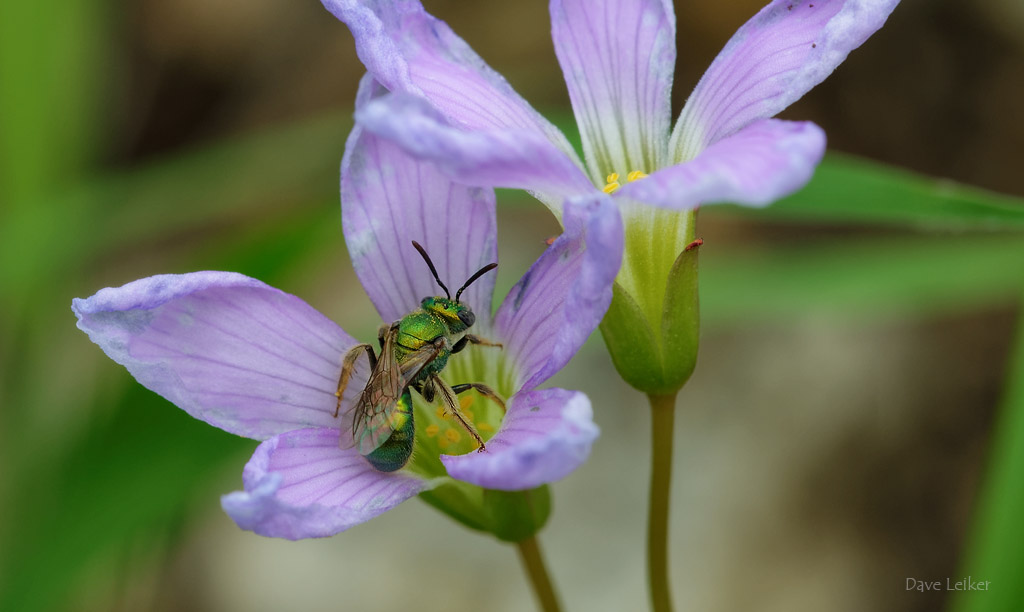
441 414
484 427
465 402
635 175
612 178
432 430
452 435
611 187
443 443
469 415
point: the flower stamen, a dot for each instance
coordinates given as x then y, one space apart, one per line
612 180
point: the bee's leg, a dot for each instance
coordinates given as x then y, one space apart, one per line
427 390
347 365
473 339
481 341
461 344
484 390
451 404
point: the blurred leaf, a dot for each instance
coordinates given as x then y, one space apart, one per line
278 169
52 72
996 547
847 189
131 475
868 278
293 165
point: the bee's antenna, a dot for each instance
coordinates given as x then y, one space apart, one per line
433 270
479 273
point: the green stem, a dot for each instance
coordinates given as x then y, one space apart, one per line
533 561
662 415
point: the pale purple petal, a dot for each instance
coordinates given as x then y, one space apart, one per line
300 484
552 310
618 57
226 348
497 158
408 50
389 199
775 58
759 164
545 435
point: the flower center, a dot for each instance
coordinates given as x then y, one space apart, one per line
612 180
450 437
437 432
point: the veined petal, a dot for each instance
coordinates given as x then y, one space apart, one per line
496 157
552 310
772 61
408 50
546 435
389 199
759 164
300 484
226 348
618 57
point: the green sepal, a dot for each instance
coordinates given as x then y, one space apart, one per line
517 515
459 500
511 516
680 321
631 342
658 365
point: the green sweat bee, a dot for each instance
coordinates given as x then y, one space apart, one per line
413 352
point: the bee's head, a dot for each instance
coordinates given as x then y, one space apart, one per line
458 315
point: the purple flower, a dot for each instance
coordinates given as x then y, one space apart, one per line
258 362
618 59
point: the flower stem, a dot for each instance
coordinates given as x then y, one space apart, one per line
533 561
662 415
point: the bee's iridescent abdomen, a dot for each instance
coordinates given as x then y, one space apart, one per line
396 450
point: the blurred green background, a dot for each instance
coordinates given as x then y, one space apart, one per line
857 414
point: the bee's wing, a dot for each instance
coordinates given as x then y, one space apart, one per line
372 423
416 361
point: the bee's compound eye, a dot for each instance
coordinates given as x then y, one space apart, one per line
467 317
424 301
